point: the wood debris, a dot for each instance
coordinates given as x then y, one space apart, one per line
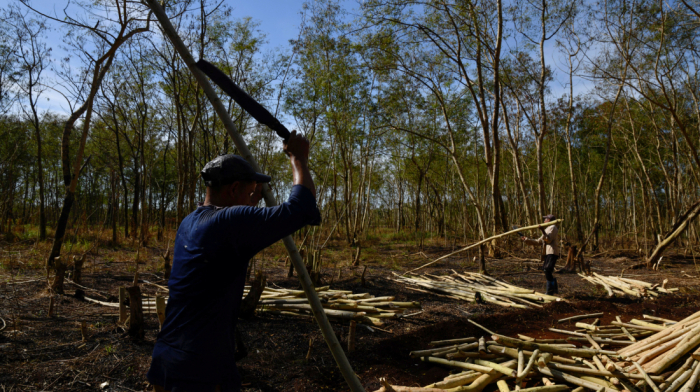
663 361
338 304
616 285
363 308
474 287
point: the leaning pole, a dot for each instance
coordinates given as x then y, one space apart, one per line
316 308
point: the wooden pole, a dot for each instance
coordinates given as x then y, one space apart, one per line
581 352
688 387
579 317
474 245
305 280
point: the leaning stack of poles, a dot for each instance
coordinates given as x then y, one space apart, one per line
666 361
473 287
338 304
615 285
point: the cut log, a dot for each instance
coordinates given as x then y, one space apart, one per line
502 386
690 385
648 379
482 345
456 381
691 341
586 383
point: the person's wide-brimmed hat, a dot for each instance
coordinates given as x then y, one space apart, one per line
550 217
229 168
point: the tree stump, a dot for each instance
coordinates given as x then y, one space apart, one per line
351 336
78 268
166 264
60 268
136 330
160 310
122 305
356 260
250 302
571 261
84 331
78 274
494 251
290 274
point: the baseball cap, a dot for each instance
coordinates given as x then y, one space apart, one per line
226 169
550 217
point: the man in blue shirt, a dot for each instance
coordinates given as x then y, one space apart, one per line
195 350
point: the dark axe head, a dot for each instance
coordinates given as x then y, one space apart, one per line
243 99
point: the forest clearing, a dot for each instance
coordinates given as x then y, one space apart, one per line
387 196
49 353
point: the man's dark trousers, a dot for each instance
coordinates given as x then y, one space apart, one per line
549 262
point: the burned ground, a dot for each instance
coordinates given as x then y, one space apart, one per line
42 353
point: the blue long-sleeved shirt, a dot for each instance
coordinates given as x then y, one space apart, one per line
195 350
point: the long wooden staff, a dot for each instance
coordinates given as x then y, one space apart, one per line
554 222
316 308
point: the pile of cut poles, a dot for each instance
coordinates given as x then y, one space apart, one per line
474 287
665 361
616 285
338 304
617 333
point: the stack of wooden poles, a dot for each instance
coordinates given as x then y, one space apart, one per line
473 287
618 333
666 361
338 304
615 285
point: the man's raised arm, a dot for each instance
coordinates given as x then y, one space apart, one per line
297 148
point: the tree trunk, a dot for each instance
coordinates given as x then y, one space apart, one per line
599 188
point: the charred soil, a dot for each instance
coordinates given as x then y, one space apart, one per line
38 352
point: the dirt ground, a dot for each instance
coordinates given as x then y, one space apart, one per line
38 353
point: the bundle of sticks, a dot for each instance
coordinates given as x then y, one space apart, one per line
664 361
615 285
473 287
338 304
676 343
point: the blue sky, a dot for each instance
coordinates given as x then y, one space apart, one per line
279 20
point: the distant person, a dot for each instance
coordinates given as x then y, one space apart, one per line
195 348
550 240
